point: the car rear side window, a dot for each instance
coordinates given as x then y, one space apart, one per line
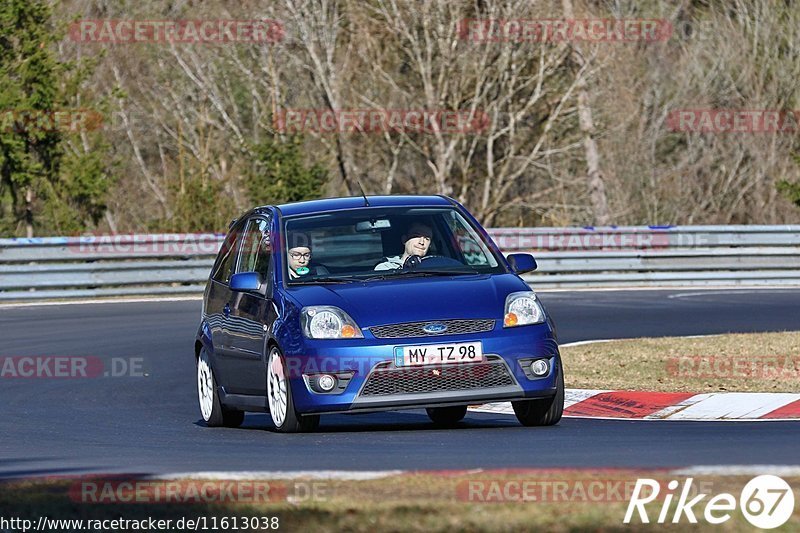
256 248
226 257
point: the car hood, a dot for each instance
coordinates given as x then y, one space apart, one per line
416 299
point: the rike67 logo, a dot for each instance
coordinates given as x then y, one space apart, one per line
766 502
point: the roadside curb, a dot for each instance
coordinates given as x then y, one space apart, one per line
686 406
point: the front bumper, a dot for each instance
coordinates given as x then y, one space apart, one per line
364 358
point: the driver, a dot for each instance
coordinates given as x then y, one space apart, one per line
417 241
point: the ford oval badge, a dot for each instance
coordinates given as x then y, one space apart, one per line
434 328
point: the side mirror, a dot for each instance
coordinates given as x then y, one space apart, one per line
521 263
246 282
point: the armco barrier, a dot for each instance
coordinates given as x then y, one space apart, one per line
116 265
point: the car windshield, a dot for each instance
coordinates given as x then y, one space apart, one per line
376 243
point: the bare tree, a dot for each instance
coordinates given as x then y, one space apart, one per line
595 179
569 133
318 31
518 89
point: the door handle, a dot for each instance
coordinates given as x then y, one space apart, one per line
226 310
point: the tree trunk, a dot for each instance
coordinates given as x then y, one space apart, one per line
28 212
595 180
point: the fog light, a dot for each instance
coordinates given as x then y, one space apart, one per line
326 382
540 367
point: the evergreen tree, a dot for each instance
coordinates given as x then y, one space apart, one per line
48 184
281 175
790 189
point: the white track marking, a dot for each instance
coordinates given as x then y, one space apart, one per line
734 405
738 470
715 290
502 408
700 290
716 406
672 409
103 301
573 396
581 343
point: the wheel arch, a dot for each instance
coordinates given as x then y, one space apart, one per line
203 340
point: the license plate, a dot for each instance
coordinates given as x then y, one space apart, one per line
438 354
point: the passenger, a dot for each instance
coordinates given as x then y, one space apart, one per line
300 257
417 241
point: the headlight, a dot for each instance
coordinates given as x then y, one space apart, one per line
522 308
328 322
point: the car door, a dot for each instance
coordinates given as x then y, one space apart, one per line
248 323
217 307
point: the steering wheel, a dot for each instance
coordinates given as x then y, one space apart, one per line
413 261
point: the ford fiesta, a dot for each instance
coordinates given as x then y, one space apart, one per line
371 303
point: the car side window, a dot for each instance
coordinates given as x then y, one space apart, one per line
256 248
468 243
223 268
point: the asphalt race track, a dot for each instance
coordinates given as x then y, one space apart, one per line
152 424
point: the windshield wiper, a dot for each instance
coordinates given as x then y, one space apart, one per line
420 274
329 279
405 274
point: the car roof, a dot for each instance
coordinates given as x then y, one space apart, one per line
355 202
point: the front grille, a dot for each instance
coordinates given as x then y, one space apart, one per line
386 379
414 329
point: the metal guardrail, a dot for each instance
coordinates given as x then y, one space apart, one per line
115 265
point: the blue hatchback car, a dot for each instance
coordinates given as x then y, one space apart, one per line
371 303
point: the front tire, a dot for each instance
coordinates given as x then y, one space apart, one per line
544 412
214 413
279 398
447 416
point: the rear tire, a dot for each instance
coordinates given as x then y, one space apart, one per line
447 416
214 413
279 399
543 412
